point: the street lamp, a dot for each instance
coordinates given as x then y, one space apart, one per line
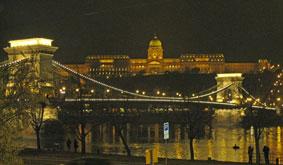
158 92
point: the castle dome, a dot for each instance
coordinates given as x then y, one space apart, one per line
155 42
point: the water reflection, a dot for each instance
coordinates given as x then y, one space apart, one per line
225 135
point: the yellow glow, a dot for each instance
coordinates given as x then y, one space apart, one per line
163 94
158 92
249 99
92 91
137 91
32 41
77 89
229 75
143 92
106 60
278 99
202 59
64 88
108 90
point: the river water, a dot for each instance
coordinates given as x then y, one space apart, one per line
225 134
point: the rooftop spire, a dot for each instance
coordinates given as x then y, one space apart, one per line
155 36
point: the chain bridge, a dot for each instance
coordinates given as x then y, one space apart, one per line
228 92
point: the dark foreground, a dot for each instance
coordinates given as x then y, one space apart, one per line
67 158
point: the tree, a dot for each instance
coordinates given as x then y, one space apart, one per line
52 132
37 114
77 117
119 121
257 120
196 118
13 109
38 83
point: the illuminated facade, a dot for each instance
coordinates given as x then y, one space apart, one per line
39 49
123 65
155 63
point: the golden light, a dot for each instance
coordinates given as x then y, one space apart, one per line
137 91
211 98
64 88
143 92
163 94
92 91
177 93
29 42
249 99
77 89
108 90
193 94
158 92
180 94
229 75
278 99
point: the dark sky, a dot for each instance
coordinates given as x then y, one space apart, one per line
243 30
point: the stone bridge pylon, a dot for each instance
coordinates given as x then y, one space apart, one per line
231 94
40 50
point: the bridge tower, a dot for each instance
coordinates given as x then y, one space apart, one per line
231 94
39 49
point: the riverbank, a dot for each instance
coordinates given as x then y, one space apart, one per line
32 157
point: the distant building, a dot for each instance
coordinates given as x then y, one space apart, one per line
155 63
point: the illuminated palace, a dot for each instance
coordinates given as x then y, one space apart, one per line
155 63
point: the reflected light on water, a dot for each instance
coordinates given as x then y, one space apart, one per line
220 147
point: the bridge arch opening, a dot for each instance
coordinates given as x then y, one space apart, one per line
232 95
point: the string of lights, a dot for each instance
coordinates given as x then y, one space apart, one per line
135 94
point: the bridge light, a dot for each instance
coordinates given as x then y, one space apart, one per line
64 88
193 94
211 98
108 90
278 99
137 91
77 90
143 92
180 94
177 93
158 92
249 99
163 94
92 91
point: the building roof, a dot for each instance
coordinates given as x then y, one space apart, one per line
155 42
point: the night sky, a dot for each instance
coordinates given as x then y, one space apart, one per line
243 30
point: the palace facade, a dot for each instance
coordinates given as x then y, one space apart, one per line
123 65
155 63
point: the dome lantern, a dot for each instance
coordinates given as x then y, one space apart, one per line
155 42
